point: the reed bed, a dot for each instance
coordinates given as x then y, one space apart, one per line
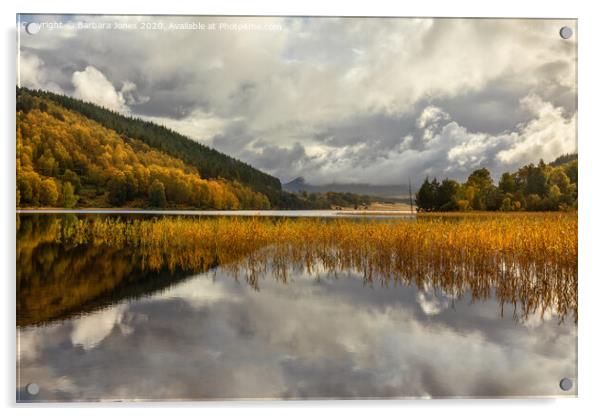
528 260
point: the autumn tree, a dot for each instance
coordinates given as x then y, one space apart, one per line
157 194
72 178
49 193
117 189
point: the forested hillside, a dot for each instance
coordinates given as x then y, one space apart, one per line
67 160
541 187
208 162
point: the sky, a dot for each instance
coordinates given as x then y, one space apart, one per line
334 100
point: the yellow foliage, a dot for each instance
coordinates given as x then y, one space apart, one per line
54 141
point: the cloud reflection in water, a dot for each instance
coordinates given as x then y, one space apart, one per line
213 337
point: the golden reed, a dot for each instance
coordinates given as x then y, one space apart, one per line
525 260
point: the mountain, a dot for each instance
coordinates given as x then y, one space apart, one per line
384 191
66 159
296 185
209 163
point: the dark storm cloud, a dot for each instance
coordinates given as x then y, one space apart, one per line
382 131
273 156
332 99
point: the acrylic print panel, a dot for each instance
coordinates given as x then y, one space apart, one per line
214 208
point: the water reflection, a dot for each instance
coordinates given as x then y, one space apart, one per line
68 265
107 321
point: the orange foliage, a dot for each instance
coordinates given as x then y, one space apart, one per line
114 170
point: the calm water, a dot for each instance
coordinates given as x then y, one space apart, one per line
313 213
94 324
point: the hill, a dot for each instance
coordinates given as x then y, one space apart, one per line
67 159
208 162
564 159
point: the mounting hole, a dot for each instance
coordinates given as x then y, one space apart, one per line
566 384
566 32
32 28
32 388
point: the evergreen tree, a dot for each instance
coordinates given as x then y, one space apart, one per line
425 198
446 195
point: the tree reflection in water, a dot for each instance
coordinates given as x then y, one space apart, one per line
71 264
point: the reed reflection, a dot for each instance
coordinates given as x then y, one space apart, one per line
72 264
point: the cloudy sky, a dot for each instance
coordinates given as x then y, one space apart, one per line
347 100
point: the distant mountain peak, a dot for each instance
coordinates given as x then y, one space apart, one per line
300 184
299 179
296 185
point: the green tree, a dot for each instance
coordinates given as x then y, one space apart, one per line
73 178
507 183
555 193
24 103
47 164
157 194
491 198
506 204
426 196
68 196
571 170
534 202
480 179
535 179
485 196
131 186
446 195
559 178
117 189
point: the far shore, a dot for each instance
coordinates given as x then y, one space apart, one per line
249 212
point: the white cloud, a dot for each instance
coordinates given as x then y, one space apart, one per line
431 115
32 73
198 125
431 305
88 331
546 136
28 341
451 149
430 120
129 94
200 292
433 300
91 85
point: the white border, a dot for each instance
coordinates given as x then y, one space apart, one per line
590 204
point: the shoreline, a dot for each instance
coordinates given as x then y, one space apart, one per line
241 213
